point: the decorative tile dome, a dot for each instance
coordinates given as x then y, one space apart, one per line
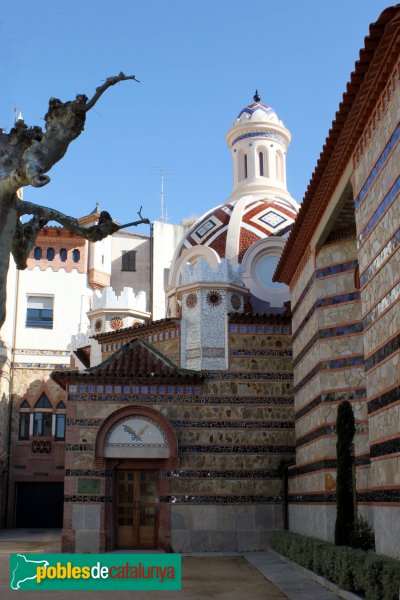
257 111
231 228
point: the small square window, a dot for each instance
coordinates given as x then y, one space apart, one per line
129 261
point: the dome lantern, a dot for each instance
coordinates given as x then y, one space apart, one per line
258 141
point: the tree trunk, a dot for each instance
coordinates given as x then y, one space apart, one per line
8 225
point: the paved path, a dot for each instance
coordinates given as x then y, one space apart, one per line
287 578
218 580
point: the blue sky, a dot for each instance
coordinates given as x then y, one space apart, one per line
199 64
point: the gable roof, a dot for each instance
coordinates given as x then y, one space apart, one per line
367 81
136 360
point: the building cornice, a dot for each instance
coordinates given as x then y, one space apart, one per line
377 61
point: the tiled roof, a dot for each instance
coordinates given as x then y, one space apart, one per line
367 81
136 360
134 329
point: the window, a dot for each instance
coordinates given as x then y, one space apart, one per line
24 426
42 424
76 255
50 253
261 159
279 165
37 253
245 166
60 427
39 312
63 255
129 260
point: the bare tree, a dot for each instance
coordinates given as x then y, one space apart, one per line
26 155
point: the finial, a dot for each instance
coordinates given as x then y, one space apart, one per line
97 207
256 97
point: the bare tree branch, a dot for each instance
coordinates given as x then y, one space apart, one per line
25 238
26 233
26 155
102 88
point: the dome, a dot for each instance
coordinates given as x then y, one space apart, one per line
231 228
257 111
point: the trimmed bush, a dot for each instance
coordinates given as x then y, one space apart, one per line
370 575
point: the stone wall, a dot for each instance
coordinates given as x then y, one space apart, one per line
328 367
377 210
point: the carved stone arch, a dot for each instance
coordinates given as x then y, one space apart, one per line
136 410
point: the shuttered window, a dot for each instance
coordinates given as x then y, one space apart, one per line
129 260
39 312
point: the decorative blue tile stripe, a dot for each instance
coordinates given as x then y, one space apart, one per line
323 303
386 202
385 448
379 496
324 272
330 332
384 400
235 424
336 269
313 435
260 134
179 400
79 447
237 449
248 474
378 166
383 353
382 305
383 255
88 473
331 397
337 363
322 498
374 496
221 499
94 499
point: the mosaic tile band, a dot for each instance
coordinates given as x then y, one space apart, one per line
335 269
384 400
259 400
323 303
376 169
354 394
337 363
376 217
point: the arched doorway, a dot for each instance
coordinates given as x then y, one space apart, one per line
136 444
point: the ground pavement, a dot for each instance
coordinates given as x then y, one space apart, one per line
251 576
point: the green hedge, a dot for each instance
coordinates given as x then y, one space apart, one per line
370 575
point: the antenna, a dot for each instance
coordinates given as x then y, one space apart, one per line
162 195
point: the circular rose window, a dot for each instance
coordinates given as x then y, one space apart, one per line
116 323
191 300
214 298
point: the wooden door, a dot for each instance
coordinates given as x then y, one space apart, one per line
136 509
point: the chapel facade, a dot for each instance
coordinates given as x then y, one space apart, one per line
175 435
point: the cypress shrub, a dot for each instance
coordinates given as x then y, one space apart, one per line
345 430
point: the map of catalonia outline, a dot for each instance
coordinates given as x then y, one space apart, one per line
16 581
